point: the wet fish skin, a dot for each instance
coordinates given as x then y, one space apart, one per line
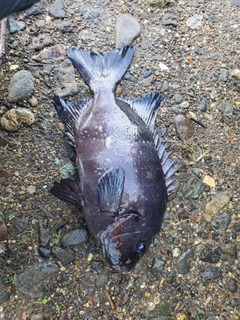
121 185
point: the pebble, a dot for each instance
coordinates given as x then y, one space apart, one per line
203 105
3 230
33 280
57 9
195 22
74 238
230 250
89 12
15 25
38 316
158 265
37 8
44 252
147 73
147 81
13 118
224 75
66 84
33 101
127 30
41 41
209 181
169 19
226 108
20 225
163 67
209 255
21 86
212 273
44 235
31 189
224 220
235 302
235 73
67 170
184 127
65 26
101 281
183 264
48 55
235 3
63 255
218 201
178 98
193 189
232 285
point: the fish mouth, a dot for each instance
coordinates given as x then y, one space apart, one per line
109 239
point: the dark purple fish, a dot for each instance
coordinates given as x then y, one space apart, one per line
125 175
8 7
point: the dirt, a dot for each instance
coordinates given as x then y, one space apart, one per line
175 279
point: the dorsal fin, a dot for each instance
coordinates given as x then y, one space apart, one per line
167 165
146 107
70 112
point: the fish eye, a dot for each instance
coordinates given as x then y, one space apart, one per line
141 247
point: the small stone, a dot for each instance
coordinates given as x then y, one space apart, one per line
158 265
33 101
37 8
232 285
183 265
219 201
48 55
229 249
184 127
61 126
169 19
13 67
20 225
66 83
127 29
208 255
224 220
193 189
235 302
224 75
57 9
31 189
41 41
178 98
209 181
3 230
203 105
207 216
65 26
163 67
212 273
38 316
13 118
101 281
147 73
235 73
67 170
44 252
74 238
44 235
195 22
89 12
184 105
15 25
21 86
147 81
63 255
226 108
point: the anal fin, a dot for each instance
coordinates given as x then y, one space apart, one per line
110 189
68 190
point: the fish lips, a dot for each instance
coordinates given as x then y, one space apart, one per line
118 241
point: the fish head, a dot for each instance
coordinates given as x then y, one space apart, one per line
125 240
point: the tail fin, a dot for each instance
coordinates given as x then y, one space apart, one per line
98 70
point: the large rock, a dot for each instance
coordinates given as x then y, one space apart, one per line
127 29
21 86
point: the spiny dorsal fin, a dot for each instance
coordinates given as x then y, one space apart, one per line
70 113
167 165
146 107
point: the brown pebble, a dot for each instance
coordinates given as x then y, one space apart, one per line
184 127
3 230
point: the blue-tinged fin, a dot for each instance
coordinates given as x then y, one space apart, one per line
102 70
70 112
146 107
110 189
68 190
167 165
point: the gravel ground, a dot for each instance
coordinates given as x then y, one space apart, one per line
49 267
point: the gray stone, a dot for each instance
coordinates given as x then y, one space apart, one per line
235 73
41 41
66 83
235 3
127 29
203 105
232 285
212 273
183 265
158 265
229 249
226 108
224 75
165 86
67 170
147 73
178 98
89 12
195 22
51 54
224 220
37 8
38 316
44 235
208 255
20 225
21 86
184 127
169 19
74 238
235 302
101 281
63 255
33 280
15 25
65 26
57 9
193 189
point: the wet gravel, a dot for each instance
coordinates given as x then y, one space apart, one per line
49 267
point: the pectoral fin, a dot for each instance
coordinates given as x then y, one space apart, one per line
110 189
68 190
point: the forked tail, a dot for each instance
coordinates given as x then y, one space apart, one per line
102 70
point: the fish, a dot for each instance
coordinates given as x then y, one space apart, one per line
125 173
8 7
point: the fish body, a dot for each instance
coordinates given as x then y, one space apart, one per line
8 7
122 164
